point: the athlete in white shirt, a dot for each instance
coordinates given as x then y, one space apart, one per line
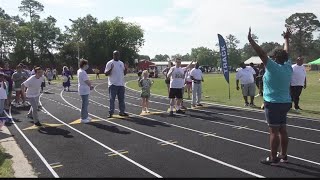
298 82
176 75
116 71
33 92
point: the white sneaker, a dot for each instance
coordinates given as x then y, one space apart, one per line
14 104
85 121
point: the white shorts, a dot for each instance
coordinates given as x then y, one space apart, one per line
248 89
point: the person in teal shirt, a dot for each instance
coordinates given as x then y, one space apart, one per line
276 95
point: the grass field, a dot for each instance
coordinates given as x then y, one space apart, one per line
215 89
6 170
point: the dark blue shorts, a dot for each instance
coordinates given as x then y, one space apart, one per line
276 113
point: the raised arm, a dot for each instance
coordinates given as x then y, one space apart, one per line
287 36
263 55
189 65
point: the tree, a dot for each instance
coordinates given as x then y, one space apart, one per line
99 40
160 57
303 25
31 8
173 57
247 51
314 50
204 55
187 57
47 39
146 57
268 47
7 34
233 52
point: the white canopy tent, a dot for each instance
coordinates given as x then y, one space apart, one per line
254 59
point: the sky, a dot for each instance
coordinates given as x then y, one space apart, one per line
175 26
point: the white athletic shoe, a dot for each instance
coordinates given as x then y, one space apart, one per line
85 121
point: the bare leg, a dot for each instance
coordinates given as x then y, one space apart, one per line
245 99
284 140
274 141
147 104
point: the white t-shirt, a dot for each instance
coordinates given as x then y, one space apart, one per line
54 71
83 88
188 77
3 92
177 77
34 86
298 76
246 75
116 77
196 74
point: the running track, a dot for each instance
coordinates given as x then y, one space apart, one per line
214 141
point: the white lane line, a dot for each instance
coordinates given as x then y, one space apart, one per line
231 115
201 132
31 145
220 105
169 143
101 144
225 124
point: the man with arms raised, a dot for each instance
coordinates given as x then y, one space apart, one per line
176 75
276 95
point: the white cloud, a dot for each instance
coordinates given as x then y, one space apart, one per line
153 23
207 18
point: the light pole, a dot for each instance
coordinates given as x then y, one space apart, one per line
78 45
78 55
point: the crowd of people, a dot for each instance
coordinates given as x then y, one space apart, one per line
278 82
26 83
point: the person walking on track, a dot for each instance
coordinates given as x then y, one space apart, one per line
33 85
298 82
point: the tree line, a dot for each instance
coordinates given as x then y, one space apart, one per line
303 43
35 40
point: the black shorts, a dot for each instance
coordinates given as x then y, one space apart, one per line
175 93
276 113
